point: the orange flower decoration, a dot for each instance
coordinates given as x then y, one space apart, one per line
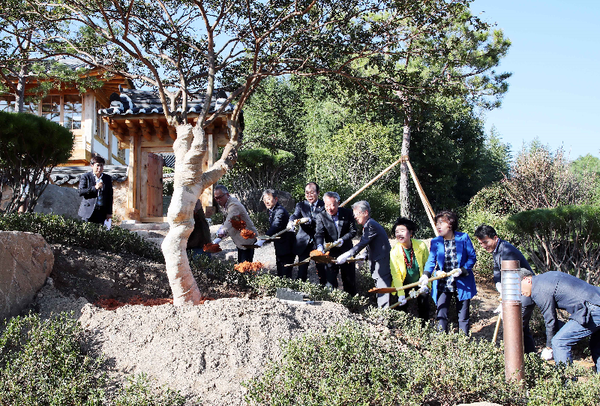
238 223
212 248
247 234
317 253
248 267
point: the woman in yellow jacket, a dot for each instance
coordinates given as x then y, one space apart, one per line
407 259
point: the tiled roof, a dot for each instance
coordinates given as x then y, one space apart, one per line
135 101
71 174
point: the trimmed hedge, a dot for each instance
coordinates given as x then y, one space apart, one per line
61 230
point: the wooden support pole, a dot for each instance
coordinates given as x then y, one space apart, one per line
424 200
386 170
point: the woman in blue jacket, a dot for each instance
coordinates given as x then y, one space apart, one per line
452 253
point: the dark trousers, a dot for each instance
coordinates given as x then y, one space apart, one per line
528 341
303 269
245 255
462 308
98 215
281 261
422 305
348 272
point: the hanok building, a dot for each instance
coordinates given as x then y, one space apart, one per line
66 105
137 119
128 128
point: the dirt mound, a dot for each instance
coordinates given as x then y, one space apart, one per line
204 351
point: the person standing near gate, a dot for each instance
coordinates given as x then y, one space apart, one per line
97 191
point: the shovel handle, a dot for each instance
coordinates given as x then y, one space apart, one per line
410 285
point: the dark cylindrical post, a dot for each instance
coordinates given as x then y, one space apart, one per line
514 358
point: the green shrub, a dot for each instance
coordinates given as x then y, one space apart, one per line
411 365
30 147
42 363
61 230
352 365
566 238
260 220
137 392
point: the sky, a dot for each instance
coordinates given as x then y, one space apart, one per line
554 90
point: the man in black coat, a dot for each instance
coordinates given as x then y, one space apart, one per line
304 242
278 219
96 189
336 225
376 240
558 290
504 251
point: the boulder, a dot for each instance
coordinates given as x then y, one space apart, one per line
27 261
59 200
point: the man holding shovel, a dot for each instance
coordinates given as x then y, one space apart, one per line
336 225
504 251
378 246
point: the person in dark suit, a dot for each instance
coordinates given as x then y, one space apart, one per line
558 290
304 241
376 240
504 251
96 189
278 219
336 225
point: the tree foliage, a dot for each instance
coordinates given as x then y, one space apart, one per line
541 179
30 147
566 238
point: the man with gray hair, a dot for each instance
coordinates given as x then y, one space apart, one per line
278 221
336 225
231 207
558 290
375 239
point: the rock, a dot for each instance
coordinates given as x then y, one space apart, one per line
27 261
59 200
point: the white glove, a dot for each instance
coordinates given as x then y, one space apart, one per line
216 240
290 226
222 232
320 248
401 300
440 273
455 272
260 243
499 287
547 354
423 290
413 294
306 220
423 280
339 243
498 309
344 257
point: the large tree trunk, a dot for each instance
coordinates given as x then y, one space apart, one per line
190 149
404 200
186 190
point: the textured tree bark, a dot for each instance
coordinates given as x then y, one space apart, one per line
190 181
404 200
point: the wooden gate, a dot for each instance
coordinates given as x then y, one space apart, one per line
152 165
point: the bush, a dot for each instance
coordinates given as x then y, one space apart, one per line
30 147
566 238
43 362
412 365
61 230
352 365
